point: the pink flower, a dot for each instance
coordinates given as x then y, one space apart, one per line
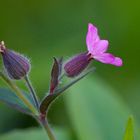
97 48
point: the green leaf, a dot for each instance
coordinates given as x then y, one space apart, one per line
129 134
96 111
51 97
34 134
9 98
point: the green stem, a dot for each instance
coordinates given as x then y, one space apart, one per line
13 86
45 125
30 87
61 76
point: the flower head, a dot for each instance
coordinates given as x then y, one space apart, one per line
16 65
97 48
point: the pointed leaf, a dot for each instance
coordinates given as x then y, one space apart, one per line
51 97
9 98
129 134
56 71
60 62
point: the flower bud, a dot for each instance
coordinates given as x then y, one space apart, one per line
77 64
16 65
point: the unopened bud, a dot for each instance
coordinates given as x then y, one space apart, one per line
16 65
77 64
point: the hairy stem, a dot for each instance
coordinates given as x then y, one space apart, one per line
17 91
44 123
30 87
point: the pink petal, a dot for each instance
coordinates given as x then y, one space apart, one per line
92 37
106 58
117 62
100 47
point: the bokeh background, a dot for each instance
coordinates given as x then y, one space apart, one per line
97 107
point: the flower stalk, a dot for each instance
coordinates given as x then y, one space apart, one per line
33 93
44 123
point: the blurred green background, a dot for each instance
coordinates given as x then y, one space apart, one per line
98 106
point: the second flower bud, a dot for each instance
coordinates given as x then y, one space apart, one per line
77 64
